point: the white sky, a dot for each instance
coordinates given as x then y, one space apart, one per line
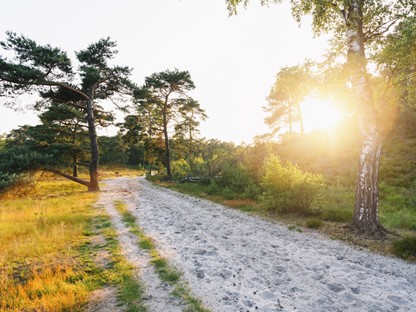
232 60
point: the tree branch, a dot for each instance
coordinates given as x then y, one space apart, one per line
86 183
62 85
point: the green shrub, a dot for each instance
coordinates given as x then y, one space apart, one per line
288 189
212 187
314 223
236 182
180 169
198 166
405 247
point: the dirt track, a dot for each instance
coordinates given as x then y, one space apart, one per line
235 262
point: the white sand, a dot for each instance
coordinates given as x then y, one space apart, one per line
157 294
236 262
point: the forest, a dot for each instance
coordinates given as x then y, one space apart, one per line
351 175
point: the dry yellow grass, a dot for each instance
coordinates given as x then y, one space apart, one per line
39 237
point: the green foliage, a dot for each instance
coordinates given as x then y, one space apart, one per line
405 247
291 86
314 223
235 181
198 166
288 189
113 150
161 102
9 179
180 169
337 214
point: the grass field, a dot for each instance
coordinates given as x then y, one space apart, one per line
46 231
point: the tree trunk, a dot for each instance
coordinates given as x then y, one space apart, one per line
190 155
69 177
365 219
94 147
302 129
166 135
290 118
75 167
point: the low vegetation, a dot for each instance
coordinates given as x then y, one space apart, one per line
49 236
318 192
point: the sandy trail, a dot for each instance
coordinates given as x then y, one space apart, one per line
236 262
157 293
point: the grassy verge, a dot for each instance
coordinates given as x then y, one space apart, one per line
166 272
46 248
332 217
109 268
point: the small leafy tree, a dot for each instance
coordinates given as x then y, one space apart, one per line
180 169
287 188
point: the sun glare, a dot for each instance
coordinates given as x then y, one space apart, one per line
319 114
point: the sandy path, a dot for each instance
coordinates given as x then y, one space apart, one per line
235 262
157 293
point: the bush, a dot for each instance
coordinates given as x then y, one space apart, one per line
237 181
198 166
314 223
405 247
180 169
288 189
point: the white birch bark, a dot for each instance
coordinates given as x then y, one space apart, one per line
365 218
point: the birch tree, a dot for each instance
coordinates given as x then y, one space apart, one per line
359 24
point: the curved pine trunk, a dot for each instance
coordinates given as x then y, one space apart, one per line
365 219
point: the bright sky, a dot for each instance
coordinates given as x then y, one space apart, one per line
232 60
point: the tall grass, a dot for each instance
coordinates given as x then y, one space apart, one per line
39 240
47 250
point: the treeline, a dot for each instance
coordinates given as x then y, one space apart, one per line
70 110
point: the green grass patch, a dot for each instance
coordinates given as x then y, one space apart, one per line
117 272
337 214
146 243
131 294
313 223
405 247
166 272
128 218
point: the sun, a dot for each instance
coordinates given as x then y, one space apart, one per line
319 114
